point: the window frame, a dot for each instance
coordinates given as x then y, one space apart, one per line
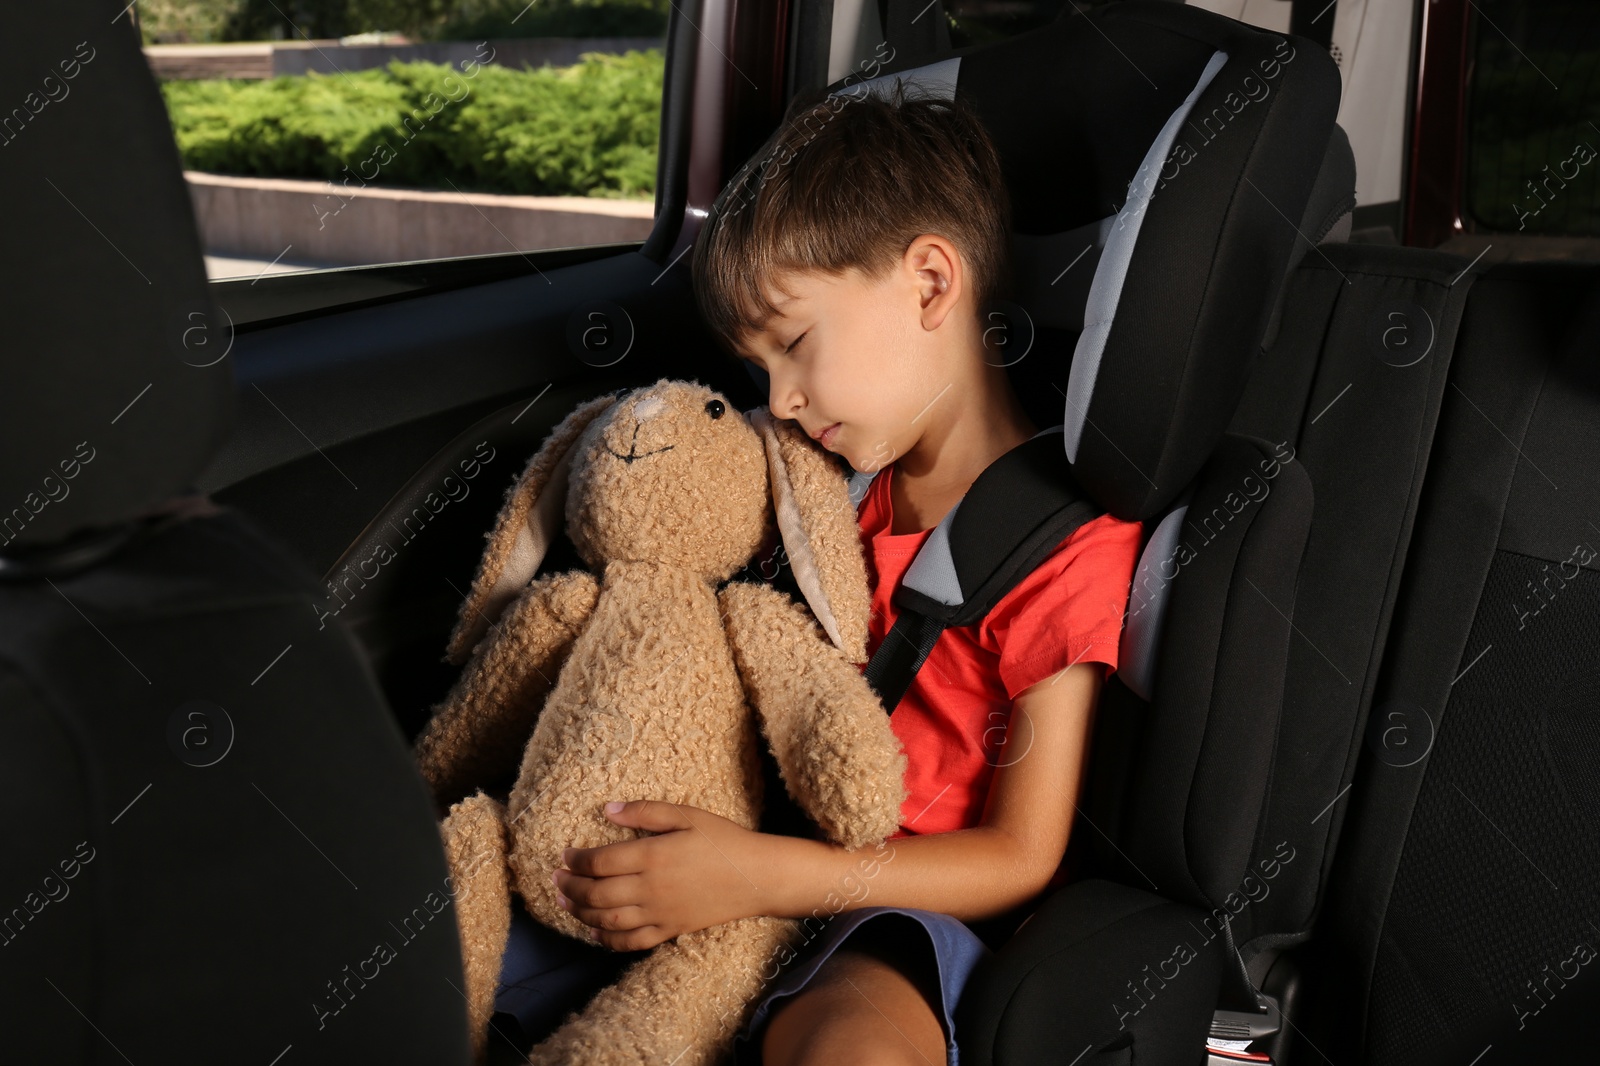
291 296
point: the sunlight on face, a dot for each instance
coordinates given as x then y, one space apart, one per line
848 358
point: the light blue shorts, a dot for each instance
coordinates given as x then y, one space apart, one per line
915 938
545 974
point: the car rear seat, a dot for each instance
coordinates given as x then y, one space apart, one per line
1464 902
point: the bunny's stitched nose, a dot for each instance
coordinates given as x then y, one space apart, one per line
648 408
633 452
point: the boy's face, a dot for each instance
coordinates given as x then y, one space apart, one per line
860 362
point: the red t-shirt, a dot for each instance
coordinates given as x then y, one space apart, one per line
952 719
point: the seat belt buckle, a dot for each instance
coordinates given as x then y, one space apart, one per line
1234 1031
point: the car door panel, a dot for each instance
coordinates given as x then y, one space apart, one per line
337 412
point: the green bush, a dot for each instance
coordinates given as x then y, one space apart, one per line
162 21
585 130
456 20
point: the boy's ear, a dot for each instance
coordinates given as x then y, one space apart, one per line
936 263
821 537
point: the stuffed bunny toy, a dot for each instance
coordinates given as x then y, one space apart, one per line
645 680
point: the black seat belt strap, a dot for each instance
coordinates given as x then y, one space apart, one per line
1016 513
904 649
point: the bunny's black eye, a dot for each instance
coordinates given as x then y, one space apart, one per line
714 408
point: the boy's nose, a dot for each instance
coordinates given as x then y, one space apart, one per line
783 402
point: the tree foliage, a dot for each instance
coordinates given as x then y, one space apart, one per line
257 20
586 130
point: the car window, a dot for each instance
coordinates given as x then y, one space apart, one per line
370 132
1533 105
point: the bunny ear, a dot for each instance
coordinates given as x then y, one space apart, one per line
528 524
820 533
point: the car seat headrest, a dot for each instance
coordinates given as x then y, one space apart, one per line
1329 215
116 389
1163 162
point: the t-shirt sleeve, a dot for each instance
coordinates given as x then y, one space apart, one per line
1071 608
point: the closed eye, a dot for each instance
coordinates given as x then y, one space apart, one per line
796 341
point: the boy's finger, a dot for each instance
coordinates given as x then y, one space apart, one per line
657 816
611 919
606 861
600 892
641 939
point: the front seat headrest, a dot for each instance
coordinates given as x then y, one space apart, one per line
115 390
1160 160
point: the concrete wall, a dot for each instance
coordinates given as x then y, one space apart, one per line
265 218
269 59
172 62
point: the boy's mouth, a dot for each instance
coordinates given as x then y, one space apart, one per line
826 434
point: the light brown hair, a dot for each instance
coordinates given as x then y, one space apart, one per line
850 181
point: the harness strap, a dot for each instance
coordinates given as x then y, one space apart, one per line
903 651
1016 513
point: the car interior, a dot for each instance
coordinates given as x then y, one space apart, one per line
1343 799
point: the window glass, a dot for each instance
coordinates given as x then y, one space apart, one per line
1532 114
321 133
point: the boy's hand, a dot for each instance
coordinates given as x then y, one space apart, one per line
702 870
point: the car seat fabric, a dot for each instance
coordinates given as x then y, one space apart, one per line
1329 215
1212 242
218 838
217 832
1342 343
1174 796
1148 600
1223 792
1111 272
1093 976
1204 156
1196 790
1465 881
111 408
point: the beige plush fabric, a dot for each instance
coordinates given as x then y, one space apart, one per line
475 847
647 683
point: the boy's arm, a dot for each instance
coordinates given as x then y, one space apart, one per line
700 869
968 873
